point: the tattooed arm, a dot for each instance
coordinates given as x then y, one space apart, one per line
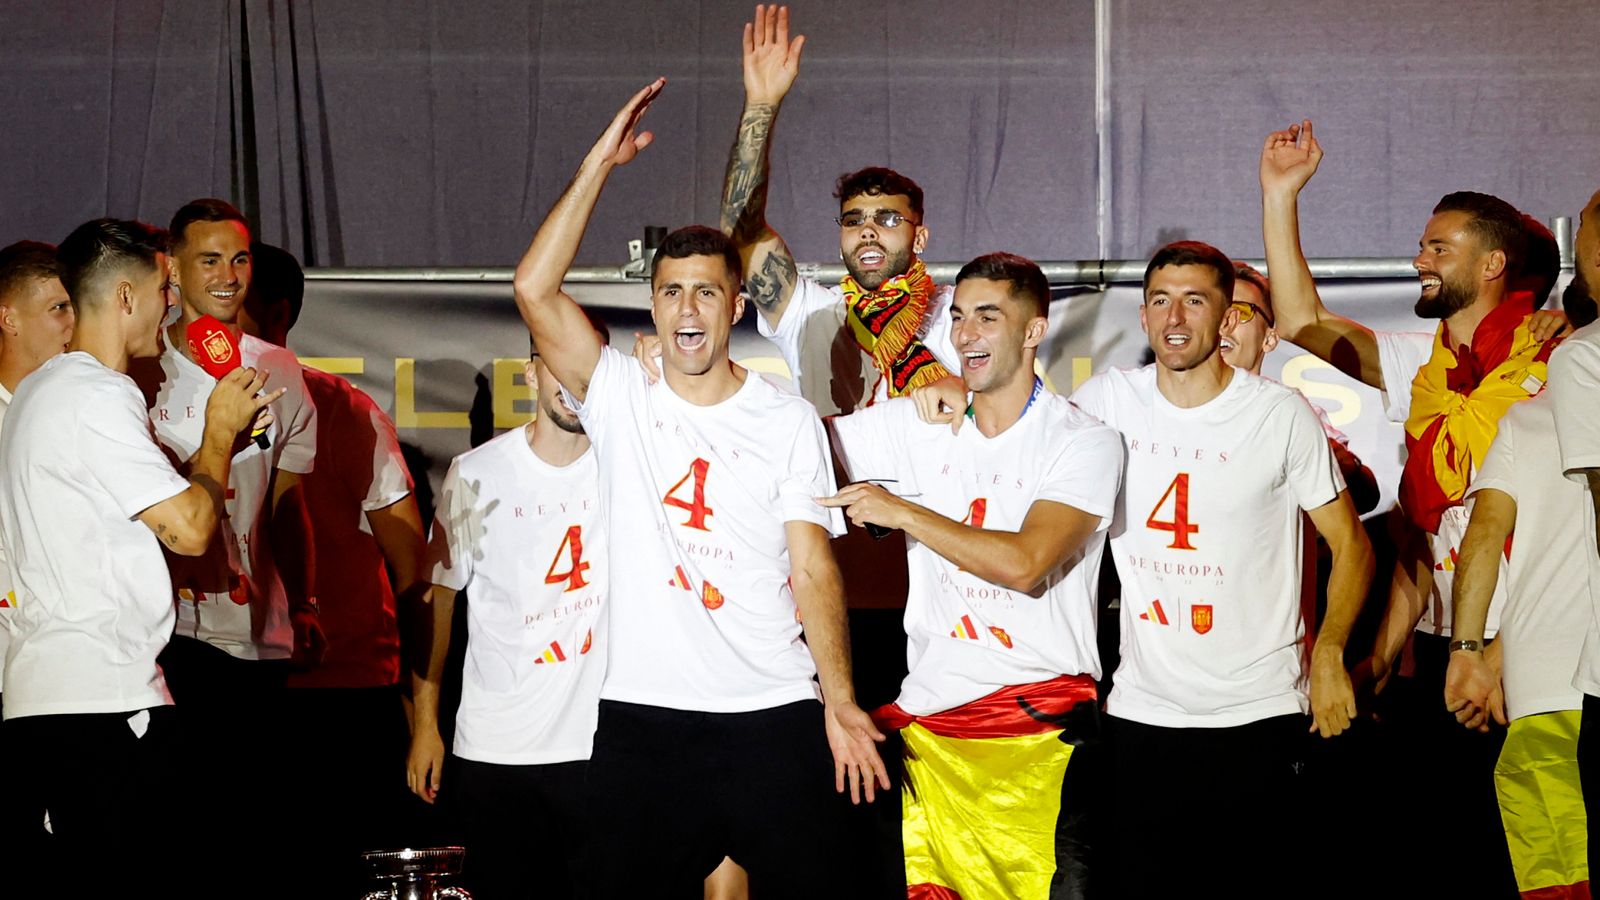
771 62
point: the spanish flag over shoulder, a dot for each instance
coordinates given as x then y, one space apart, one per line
983 787
1457 402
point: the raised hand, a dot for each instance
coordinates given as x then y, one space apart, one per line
622 140
771 59
1289 158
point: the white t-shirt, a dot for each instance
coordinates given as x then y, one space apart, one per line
702 616
1574 385
78 464
1547 609
527 540
359 469
815 320
7 596
1401 354
232 597
1208 542
967 638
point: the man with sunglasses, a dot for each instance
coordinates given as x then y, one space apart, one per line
1248 339
887 306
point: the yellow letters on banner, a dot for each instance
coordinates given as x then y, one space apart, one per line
405 402
337 365
508 392
1294 375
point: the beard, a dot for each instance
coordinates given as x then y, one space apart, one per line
563 420
894 265
1452 298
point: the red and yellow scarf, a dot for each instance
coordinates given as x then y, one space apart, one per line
1457 400
886 323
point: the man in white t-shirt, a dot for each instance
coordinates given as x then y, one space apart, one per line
1526 512
87 501
1574 386
1211 693
1482 278
245 603
887 307
710 741
347 719
520 529
36 318
1005 522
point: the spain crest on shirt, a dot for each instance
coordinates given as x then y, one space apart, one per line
1200 617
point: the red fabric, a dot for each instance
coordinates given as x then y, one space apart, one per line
1420 495
1009 712
930 892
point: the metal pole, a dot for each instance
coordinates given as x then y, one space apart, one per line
1085 271
1561 227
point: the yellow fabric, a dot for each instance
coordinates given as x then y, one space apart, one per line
886 323
1470 420
1541 802
979 816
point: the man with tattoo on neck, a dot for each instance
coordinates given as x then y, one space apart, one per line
887 305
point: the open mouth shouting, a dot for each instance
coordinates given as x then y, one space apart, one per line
689 339
870 257
1430 283
1176 340
974 360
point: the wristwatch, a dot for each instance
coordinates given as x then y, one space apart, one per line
1472 646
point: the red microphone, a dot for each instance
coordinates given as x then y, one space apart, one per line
213 347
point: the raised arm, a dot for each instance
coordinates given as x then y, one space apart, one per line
771 62
1333 699
1288 160
566 340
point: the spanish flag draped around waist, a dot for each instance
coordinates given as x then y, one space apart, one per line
1457 400
983 789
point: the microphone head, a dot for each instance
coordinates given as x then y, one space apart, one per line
213 346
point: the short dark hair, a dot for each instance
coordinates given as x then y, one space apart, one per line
1243 271
1194 253
698 240
102 247
1028 284
26 261
206 209
1542 263
276 277
595 321
1496 224
877 181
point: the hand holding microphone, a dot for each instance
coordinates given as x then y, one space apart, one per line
214 349
237 402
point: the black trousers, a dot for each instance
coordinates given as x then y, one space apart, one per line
105 779
1589 767
523 826
672 792
239 788
346 750
1208 811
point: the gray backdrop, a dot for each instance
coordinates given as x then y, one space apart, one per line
416 133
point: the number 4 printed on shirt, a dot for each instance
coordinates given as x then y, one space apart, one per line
572 547
699 512
1179 525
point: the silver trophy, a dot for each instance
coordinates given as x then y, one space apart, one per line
415 874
